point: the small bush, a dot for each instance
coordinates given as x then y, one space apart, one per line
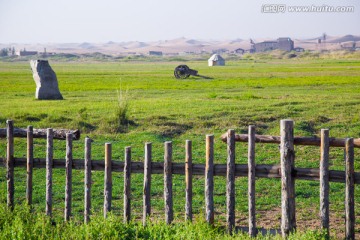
22 223
118 121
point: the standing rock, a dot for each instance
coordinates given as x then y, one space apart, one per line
45 79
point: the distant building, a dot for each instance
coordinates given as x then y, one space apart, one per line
7 51
216 60
26 53
155 53
46 53
265 46
284 44
186 53
220 51
351 46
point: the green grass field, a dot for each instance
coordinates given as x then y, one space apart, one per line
315 93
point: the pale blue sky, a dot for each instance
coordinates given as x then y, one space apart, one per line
46 21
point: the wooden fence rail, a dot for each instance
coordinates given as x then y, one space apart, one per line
241 170
41 133
306 141
286 171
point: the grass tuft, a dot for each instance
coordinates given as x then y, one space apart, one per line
22 223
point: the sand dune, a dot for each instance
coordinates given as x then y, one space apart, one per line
346 38
179 45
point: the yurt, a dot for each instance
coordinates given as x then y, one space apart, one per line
216 60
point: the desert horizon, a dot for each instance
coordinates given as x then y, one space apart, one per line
181 45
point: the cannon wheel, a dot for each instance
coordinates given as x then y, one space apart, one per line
182 72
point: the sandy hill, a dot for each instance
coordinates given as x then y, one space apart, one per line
179 45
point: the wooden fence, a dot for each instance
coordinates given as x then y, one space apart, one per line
286 171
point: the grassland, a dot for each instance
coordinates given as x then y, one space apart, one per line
316 93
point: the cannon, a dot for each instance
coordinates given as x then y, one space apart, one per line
183 71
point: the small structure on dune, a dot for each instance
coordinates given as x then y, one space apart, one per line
216 60
155 53
45 79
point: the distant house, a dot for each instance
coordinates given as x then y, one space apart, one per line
186 53
26 53
155 53
265 46
285 44
216 60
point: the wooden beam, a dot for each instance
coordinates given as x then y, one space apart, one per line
10 164
209 180
309 141
251 182
87 180
168 192
41 133
241 170
288 220
324 181
230 182
188 180
107 180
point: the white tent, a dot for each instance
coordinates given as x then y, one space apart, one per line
216 60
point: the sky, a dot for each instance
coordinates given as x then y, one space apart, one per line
67 21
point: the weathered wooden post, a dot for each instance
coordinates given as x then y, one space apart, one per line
10 164
288 220
349 190
209 180
147 183
29 164
324 180
230 181
251 181
127 185
68 181
188 180
107 180
49 166
87 180
168 198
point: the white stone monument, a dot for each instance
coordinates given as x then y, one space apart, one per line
45 79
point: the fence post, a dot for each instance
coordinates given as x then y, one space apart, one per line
107 180
349 189
168 198
188 180
49 165
288 220
209 180
230 181
147 183
68 182
10 163
87 180
127 185
324 180
29 164
251 181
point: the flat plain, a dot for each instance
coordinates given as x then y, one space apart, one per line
315 93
